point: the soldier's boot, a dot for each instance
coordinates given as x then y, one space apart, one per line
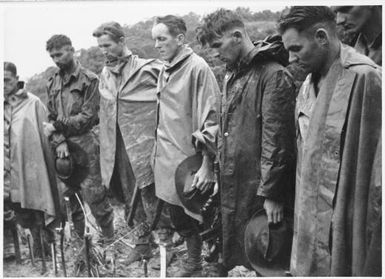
108 240
192 267
217 270
142 250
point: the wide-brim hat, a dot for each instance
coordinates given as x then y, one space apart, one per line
191 198
64 167
268 246
73 169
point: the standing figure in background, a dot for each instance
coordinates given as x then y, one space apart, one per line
338 116
73 106
30 188
186 125
364 23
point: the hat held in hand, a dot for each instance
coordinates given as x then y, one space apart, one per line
191 197
268 246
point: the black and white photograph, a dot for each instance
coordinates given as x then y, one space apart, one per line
191 138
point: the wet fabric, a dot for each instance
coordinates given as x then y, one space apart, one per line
73 105
186 119
372 50
29 174
333 226
128 102
256 143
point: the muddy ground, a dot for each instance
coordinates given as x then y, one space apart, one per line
25 269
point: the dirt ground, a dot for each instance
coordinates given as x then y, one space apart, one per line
25 269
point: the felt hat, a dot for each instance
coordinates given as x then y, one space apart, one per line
191 198
268 246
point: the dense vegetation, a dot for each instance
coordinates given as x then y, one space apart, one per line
139 41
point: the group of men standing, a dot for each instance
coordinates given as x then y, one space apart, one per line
312 155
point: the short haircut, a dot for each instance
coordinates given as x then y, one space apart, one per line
112 29
58 41
304 17
342 9
175 25
10 67
216 24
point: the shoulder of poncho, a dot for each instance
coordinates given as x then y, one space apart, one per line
357 62
87 74
197 62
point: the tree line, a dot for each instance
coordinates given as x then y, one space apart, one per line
139 41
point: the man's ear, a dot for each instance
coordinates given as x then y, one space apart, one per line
237 36
180 39
122 41
321 35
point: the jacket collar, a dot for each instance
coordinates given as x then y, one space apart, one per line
117 65
74 74
350 57
183 54
16 97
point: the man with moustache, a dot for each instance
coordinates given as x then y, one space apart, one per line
73 105
186 125
337 230
365 24
127 124
257 140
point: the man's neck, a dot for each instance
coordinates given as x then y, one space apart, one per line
125 52
70 69
334 53
179 49
246 48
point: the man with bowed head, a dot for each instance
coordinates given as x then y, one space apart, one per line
73 106
186 125
337 228
256 142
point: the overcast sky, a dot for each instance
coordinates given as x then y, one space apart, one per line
28 25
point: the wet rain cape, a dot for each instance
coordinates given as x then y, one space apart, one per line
29 174
187 92
128 99
333 224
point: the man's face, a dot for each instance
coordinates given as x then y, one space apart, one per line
304 50
353 19
110 49
62 57
165 43
10 83
227 50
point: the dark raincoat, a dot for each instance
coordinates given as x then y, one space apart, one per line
333 224
256 143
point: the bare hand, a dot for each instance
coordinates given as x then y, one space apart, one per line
204 179
48 129
274 211
62 150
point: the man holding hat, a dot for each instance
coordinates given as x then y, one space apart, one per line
186 125
257 139
73 105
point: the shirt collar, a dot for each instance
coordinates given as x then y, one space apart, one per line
185 52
